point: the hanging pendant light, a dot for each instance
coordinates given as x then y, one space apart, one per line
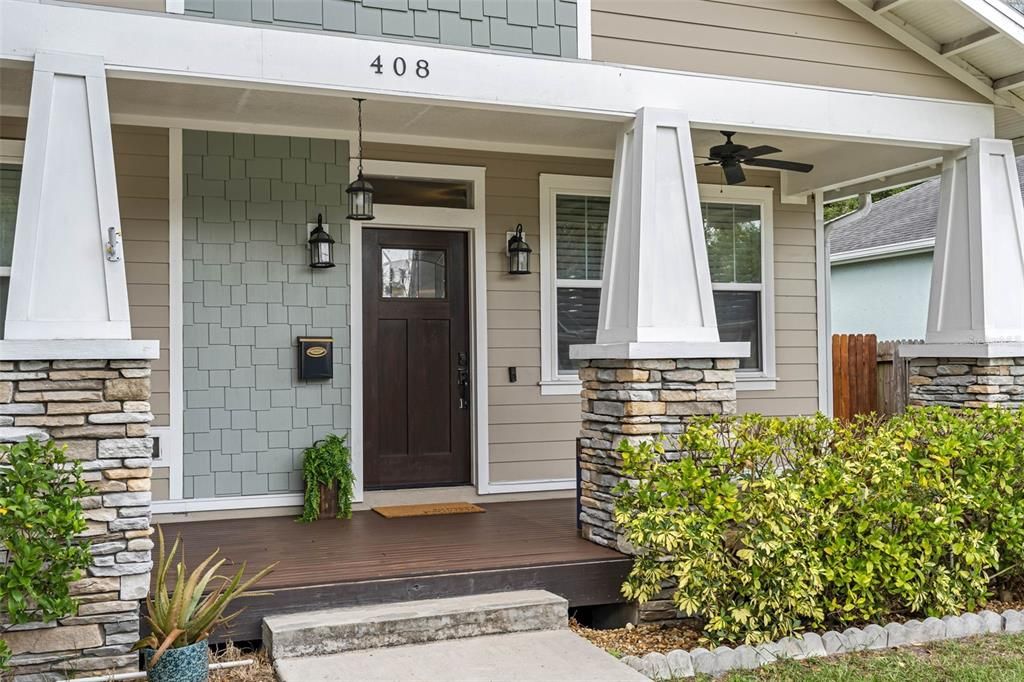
360 191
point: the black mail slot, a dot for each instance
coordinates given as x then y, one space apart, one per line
316 358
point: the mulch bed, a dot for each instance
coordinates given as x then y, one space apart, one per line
665 637
642 639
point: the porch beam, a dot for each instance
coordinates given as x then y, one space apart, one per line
182 49
888 5
969 42
1009 82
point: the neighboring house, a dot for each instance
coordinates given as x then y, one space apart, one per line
882 264
168 159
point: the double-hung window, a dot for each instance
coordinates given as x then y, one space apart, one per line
10 184
738 234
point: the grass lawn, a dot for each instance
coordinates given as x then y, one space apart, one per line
993 658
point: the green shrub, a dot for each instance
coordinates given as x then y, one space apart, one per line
769 526
40 521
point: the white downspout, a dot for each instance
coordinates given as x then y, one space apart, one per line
824 291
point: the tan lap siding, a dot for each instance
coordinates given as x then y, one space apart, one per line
532 437
140 159
818 42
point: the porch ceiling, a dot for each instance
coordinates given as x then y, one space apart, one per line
232 107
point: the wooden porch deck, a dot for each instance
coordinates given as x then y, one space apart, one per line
370 559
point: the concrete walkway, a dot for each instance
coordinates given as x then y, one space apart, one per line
556 655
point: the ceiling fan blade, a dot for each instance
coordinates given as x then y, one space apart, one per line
709 163
781 165
734 174
757 151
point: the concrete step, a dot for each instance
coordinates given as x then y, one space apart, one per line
546 656
333 631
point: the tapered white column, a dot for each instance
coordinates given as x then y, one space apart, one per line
976 307
67 271
656 297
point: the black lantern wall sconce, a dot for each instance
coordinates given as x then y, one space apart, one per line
321 246
360 191
518 253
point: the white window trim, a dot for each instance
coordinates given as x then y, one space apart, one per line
12 152
554 383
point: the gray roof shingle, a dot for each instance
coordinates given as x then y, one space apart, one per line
905 217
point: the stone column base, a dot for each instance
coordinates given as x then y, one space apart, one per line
966 382
100 411
636 400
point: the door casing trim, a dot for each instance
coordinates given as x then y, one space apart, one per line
471 220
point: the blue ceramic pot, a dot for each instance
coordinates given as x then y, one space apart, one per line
186 664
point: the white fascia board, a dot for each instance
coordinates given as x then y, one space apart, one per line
884 251
185 49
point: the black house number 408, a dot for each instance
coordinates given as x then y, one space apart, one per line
400 67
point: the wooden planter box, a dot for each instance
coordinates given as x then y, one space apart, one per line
329 501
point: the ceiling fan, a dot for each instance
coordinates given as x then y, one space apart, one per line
730 155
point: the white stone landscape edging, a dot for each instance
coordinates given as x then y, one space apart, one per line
679 663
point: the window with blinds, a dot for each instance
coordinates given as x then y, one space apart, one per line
733 234
581 222
734 242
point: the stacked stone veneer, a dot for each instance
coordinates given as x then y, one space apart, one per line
638 400
966 382
99 409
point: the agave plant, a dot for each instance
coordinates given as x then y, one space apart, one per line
195 607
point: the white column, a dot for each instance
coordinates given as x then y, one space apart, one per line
656 298
976 307
67 279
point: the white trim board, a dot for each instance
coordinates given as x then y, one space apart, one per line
12 152
584 29
823 305
182 49
175 192
474 222
884 251
79 349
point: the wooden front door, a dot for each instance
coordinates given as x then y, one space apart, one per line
416 414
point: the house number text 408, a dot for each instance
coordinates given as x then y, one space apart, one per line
400 67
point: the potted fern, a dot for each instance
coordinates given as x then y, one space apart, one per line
327 470
181 619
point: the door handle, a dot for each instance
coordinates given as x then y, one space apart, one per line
462 380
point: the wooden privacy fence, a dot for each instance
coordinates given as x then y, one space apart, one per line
868 375
854 375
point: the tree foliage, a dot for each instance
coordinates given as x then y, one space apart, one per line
840 208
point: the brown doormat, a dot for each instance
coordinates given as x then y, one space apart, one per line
398 511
